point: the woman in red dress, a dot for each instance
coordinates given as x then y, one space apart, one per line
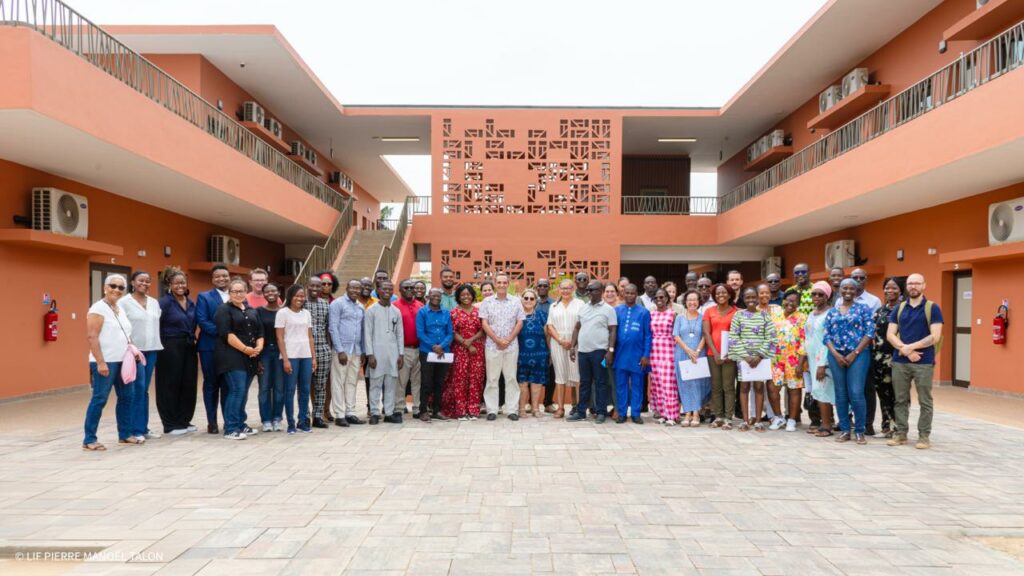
461 396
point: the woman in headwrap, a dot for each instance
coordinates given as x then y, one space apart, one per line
822 388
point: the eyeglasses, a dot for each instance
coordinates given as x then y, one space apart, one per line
120 287
236 291
859 277
528 298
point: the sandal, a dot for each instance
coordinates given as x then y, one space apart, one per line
745 427
559 413
760 427
823 433
727 425
813 429
861 439
843 437
94 447
130 440
717 423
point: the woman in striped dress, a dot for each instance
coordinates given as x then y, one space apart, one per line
664 392
752 340
561 322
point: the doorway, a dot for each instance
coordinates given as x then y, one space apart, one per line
964 296
98 276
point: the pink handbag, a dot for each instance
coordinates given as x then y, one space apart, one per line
129 370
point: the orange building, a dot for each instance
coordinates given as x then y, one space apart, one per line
891 126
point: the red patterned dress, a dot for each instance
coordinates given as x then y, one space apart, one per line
664 390
465 381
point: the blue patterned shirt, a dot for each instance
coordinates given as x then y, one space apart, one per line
845 331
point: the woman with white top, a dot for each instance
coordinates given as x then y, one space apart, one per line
562 318
143 312
108 328
294 328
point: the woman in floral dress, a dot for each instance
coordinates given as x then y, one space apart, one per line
881 367
664 391
790 360
461 397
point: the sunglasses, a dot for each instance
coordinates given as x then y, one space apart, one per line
822 294
120 287
859 277
799 272
528 299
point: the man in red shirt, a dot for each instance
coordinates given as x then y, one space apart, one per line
408 305
257 280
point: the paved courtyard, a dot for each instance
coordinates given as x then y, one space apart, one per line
535 496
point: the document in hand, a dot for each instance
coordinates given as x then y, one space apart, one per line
724 352
688 370
762 372
446 358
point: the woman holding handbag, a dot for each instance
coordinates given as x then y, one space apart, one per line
108 328
143 312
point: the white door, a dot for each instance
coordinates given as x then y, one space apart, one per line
962 331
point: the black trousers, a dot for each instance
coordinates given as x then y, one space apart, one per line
176 381
432 375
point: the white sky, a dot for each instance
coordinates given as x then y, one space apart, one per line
526 52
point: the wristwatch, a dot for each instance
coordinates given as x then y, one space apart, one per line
611 349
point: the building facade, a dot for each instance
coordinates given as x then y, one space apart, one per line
894 126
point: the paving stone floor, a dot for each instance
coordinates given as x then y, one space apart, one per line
534 496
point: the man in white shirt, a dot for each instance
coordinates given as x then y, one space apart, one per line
502 317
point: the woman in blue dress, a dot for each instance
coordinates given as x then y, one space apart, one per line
532 371
689 336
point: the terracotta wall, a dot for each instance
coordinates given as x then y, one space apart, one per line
208 81
903 61
115 220
949 227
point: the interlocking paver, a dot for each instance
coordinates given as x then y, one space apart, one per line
540 495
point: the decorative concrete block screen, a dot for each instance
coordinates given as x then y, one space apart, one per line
476 266
551 166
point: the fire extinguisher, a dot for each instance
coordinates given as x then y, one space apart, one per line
50 323
999 325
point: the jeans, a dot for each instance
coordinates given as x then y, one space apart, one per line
211 386
849 383
593 374
903 373
140 397
298 381
271 396
101 386
629 385
234 384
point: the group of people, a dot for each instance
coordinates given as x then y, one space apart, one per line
465 351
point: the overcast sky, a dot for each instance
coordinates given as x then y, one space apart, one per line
527 52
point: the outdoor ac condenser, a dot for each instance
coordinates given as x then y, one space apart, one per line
1006 222
224 250
840 254
60 212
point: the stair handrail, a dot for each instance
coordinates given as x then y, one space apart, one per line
389 252
323 257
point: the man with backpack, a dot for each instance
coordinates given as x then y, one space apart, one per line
915 331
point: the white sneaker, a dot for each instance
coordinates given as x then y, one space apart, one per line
141 439
268 427
277 427
791 425
777 423
178 432
234 436
191 428
153 434
248 431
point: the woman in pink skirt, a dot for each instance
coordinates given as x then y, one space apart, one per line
664 391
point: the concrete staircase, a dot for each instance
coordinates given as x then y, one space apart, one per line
360 258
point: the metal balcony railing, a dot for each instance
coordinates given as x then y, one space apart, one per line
971 70
669 205
63 25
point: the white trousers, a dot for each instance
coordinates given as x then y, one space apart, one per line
410 370
501 362
344 384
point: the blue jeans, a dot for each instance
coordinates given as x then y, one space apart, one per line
234 384
592 374
629 385
101 386
140 397
211 386
298 380
849 383
271 386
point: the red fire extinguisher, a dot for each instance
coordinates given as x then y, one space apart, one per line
50 323
999 325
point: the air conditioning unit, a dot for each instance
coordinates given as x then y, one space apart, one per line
298 149
776 138
981 3
60 212
771 265
310 156
829 98
273 125
252 112
341 179
855 80
224 249
1006 222
293 267
840 254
